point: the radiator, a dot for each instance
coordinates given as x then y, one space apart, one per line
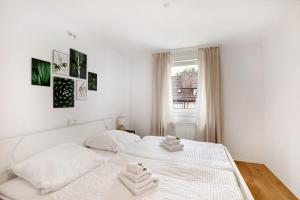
186 130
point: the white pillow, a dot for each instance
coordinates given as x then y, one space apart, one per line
113 140
56 167
103 141
124 137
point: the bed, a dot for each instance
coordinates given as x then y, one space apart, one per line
181 176
194 154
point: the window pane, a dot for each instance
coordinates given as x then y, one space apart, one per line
184 86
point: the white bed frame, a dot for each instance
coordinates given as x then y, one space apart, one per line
18 148
244 188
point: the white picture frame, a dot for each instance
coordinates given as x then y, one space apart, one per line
60 63
81 90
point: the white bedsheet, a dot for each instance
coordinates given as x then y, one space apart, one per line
19 189
194 153
104 154
177 182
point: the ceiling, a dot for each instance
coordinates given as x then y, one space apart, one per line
139 26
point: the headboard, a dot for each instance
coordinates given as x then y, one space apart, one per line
18 148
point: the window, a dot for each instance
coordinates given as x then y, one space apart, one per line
184 84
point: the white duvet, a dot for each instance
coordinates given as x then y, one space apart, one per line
194 153
177 182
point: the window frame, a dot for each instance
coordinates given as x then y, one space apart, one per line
187 112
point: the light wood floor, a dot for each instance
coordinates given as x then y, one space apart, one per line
263 184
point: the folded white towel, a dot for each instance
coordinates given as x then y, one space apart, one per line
135 167
172 148
172 142
137 189
137 178
170 137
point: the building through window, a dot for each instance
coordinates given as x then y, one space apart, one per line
184 85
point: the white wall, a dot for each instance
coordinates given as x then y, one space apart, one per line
242 88
242 74
141 94
261 100
282 100
25 108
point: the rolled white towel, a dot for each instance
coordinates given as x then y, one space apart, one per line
173 148
172 142
137 189
135 167
137 177
170 137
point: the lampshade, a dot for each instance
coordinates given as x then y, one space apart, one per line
122 122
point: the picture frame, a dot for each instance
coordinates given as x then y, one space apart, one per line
81 90
40 72
60 63
92 81
78 64
63 92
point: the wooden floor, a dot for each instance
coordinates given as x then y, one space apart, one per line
263 184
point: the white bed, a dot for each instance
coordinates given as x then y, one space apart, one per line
176 182
194 153
180 176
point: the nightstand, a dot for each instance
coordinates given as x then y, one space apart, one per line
130 131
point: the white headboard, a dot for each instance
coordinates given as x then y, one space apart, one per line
21 147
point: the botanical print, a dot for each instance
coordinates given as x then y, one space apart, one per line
40 72
81 90
92 81
77 64
63 92
60 63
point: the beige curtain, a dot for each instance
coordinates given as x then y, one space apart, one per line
209 96
161 94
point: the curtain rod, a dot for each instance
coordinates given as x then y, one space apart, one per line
187 48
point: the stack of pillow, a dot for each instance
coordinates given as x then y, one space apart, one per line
172 143
137 178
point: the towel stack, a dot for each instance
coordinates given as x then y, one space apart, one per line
171 143
137 178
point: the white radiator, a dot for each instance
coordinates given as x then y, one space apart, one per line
186 130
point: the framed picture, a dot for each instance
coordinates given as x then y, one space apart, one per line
92 81
63 92
60 63
81 90
78 63
40 72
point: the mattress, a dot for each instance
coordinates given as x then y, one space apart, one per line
19 189
177 182
194 154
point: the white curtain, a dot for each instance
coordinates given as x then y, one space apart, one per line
209 96
161 94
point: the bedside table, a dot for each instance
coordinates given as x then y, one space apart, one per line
130 131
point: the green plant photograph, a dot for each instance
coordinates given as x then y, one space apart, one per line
92 81
81 90
40 72
60 63
78 63
63 92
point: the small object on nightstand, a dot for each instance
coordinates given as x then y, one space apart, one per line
130 131
122 123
